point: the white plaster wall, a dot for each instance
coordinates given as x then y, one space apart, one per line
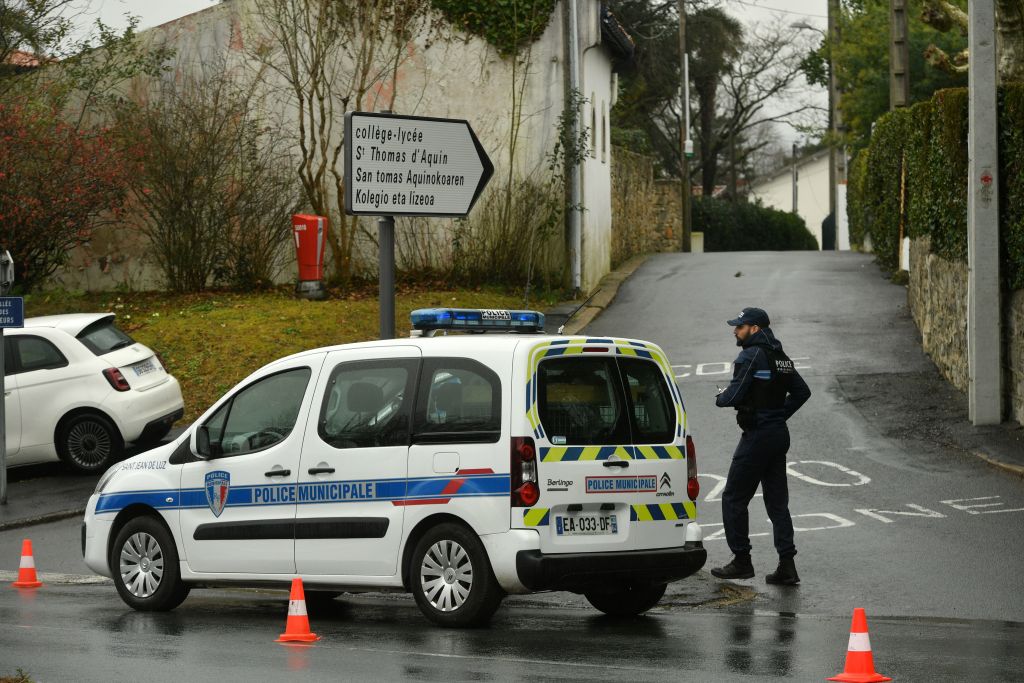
454 76
812 192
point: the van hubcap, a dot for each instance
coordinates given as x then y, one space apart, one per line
446 575
142 565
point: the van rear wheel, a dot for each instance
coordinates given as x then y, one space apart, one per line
451 578
627 601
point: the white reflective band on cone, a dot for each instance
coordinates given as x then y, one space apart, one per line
27 562
859 642
297 608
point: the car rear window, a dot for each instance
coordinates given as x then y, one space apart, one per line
103 337
583 401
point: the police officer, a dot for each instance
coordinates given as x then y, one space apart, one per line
765 391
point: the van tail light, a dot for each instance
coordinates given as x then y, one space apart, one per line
525 489
116 379
692 485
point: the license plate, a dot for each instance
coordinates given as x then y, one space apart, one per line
586 525
144 368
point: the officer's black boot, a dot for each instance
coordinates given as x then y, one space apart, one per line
740 568
785 574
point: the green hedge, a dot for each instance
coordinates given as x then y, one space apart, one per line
741 226
930 141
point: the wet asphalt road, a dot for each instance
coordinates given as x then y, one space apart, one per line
915 531
927 540
83 633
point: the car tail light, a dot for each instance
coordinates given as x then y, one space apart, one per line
116 379
525 490
692 485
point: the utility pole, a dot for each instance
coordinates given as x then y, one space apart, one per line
796 178
984 307
836 155
572 42
686 198
899 55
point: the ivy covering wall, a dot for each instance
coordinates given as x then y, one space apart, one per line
914 173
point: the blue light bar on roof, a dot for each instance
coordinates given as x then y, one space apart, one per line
477 320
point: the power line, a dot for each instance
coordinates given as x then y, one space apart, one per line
777 9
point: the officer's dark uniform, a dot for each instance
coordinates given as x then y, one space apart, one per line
765 390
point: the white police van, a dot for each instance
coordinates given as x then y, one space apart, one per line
461 467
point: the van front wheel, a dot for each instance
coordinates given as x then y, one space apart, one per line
627 601
452 579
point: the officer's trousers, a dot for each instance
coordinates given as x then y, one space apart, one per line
760 458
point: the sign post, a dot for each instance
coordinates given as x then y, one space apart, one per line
409 166
12 314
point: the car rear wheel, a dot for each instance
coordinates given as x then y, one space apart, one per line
627 601
89 443
452 579
144 564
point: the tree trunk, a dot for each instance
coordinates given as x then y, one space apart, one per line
1010 37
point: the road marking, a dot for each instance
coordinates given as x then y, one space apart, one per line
837 522
861 479
970 509
716 492
703 371
880 514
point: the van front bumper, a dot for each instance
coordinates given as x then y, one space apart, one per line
578 572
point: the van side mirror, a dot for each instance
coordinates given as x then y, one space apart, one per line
203 450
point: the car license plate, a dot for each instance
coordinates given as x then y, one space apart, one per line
586 525
144 368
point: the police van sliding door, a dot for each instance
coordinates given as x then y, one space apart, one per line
238 508
353 475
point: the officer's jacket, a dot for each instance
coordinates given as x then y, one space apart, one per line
765 389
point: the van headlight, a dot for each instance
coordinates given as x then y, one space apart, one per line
107 476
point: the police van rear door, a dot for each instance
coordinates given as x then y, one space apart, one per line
609 428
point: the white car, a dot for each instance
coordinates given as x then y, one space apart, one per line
78 388
460 468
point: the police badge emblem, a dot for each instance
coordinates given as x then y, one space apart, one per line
217 485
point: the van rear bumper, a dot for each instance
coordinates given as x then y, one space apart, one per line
577 572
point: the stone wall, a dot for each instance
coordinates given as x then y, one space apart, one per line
637 227
937 296
1013 355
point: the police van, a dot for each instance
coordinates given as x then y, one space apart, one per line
458 467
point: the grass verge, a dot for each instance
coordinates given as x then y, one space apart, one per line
211 341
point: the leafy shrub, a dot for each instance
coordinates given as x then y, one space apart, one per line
742 226
930 138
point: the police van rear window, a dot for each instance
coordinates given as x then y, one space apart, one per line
581 401
584 401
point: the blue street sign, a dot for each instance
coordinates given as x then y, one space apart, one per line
12 311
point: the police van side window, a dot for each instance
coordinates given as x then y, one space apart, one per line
260 415
651 406
366 404
459 401
580 401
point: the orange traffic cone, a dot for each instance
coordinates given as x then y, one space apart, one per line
27 568
860 664
297 627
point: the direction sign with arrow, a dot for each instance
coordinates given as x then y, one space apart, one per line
412 165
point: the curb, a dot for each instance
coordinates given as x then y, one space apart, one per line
604 295
1016 470
41 519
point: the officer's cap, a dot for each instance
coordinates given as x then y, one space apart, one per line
751 316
